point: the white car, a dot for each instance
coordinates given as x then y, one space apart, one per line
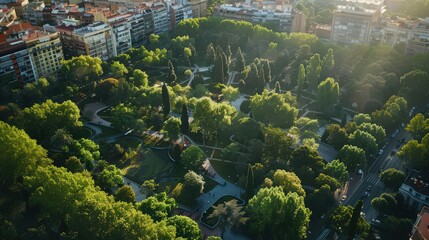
374 220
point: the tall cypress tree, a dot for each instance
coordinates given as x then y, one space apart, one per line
261 81
252 78
250 182
165 101
240 63
171 75
211 53
218 70
267 70
184 126
328 63
301 80
277 89
224 64
351 231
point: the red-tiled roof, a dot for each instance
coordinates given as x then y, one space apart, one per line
422 226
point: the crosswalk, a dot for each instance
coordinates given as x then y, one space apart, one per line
374 180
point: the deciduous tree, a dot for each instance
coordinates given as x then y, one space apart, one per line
352 157
392 178
158 207
270 210
19 154
192 158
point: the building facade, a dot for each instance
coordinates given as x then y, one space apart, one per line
45 52
353 21
418 41
415 190
95 40
15 64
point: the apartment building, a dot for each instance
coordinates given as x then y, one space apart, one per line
28 53
121 31
161 18
7 16
199 8
95 40
283 16
33 12
15 63
354 19
142 26
418 41
45 52
415 190
18 5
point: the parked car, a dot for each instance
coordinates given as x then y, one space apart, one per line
375 220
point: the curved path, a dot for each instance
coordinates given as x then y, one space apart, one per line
205 201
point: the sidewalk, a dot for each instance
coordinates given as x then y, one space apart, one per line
92 109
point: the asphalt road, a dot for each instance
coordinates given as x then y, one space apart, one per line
371 177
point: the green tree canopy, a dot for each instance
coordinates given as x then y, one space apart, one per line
289 182
140 78
109 177
171 128
327 94
313 72
337 170
118 69
125 194
209 116
19 154
341 218
418 126
186 228
270 210
81 69
336 136
385 204
376 131
229 215
192 158
352 157
365 141
273 108
159 207
392 178
42 120
246 129
194 183
73 164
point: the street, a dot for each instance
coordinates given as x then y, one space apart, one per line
370 181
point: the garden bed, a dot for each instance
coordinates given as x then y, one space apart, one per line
226 170
147 164
212 222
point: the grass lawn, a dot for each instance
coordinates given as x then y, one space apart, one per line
226 170
151 139
213 221
148 164
105 113
128 142
323 119
107 131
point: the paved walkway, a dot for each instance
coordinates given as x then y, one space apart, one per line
205 201
90 110
136 187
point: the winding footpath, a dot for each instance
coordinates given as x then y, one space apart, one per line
205 201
